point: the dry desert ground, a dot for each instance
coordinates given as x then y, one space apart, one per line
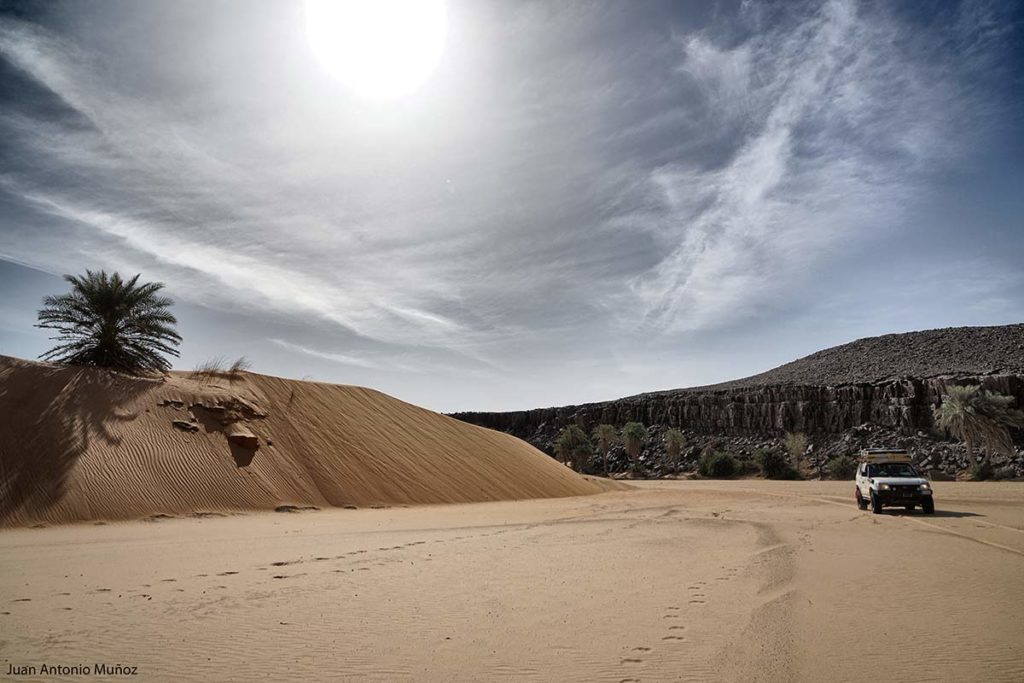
674 580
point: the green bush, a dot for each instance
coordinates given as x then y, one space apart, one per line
773 463
843 467
981 471
716 465
1004 473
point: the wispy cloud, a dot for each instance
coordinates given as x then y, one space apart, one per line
344 359
839 121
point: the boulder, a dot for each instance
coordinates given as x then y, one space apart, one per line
239 435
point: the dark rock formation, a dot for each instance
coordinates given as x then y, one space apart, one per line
888 384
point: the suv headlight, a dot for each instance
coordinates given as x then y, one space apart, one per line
925 488
884 487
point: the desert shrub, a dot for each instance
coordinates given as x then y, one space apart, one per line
1004 473
747 466
772 463
796 446
843 467
716 465
982 471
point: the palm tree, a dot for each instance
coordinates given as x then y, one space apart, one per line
110 322
978 418
675 442
633 436
605 436
574 447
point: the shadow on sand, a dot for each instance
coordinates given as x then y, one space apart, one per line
49 417
937 514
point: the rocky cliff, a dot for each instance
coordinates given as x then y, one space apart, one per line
881 387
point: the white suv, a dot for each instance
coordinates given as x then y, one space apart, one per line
886 477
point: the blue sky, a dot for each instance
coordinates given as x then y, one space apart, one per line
582 201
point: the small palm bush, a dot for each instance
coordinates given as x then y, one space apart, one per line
675 442
978 418
574 447
633 436
605 437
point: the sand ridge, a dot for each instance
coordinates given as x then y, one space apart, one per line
79 444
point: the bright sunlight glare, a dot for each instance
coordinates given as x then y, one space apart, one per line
378 48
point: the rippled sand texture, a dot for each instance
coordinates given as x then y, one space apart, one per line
726 581
80 444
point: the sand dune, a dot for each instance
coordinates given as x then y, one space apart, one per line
84 444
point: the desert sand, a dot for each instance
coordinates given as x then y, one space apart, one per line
672 580
81 444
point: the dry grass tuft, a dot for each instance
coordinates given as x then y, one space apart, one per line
218 368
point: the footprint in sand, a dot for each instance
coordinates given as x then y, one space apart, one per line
22 600
168 580
280 564
630 680
673 638
227 573
641 649
280 576
676 628
632 660
102 590
697 602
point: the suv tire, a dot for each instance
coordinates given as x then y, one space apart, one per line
929 507
861 503
876 505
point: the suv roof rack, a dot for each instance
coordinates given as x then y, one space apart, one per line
884 455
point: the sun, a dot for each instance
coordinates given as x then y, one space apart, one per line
380 49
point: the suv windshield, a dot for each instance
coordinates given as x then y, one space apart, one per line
892 469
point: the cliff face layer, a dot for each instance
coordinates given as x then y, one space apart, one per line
905 405
869 381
